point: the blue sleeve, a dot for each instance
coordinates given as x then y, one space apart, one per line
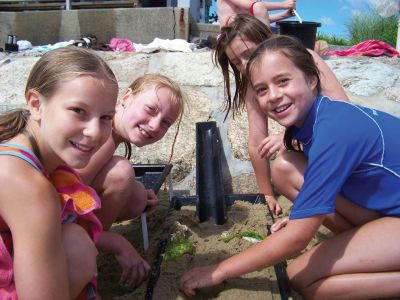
338 148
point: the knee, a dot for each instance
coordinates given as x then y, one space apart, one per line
281 169
295 279
299 281
119 174
81 255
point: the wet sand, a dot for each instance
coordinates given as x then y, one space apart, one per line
210 248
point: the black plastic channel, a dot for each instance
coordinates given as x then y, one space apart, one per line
152 175
209 179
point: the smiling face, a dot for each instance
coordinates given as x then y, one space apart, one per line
283 91
239 52
75 121
145 117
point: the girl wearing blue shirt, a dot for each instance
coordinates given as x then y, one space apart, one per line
352 152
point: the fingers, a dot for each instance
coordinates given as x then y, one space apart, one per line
152 200
276 210
186 284
273 204
135 275
279 225
271 145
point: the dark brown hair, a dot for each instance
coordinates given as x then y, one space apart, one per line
246 27
298 55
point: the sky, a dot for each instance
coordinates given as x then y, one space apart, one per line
332 14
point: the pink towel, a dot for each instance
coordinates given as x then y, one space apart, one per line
124 45
367 48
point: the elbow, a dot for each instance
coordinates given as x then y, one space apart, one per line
299 242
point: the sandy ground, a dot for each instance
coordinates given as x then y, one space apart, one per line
210 248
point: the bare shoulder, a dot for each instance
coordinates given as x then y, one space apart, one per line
25 191
316 57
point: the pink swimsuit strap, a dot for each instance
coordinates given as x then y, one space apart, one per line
251 8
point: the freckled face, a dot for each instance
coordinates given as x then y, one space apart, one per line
147 116
239 52
283 91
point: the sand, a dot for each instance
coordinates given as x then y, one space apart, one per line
210 248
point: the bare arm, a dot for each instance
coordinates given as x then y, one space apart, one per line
275 248
134 268
31 208
291 240
258 131
245 4
280 16
330 85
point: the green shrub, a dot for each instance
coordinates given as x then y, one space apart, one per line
370 25
333 39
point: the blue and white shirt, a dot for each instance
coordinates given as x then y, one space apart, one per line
351 150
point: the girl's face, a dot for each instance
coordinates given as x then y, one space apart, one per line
76 121
283 91
239 52
146 116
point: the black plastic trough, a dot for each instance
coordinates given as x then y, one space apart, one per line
152 175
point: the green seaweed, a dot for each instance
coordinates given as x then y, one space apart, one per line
251 234
178 246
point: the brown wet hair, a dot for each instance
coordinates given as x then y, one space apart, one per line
246 27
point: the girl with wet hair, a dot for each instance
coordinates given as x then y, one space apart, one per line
233 49
352 151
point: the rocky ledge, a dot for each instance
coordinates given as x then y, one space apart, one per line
368 81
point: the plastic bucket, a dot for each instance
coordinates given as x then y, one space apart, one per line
306 32
153 3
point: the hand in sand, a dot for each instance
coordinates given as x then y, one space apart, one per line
199 277
134 268
273 204
152 200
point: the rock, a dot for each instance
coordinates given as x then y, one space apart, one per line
368 81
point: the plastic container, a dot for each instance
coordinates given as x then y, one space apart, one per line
152 175
306 32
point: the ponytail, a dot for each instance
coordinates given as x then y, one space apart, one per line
13 123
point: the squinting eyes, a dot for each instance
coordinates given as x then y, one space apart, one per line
152 109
